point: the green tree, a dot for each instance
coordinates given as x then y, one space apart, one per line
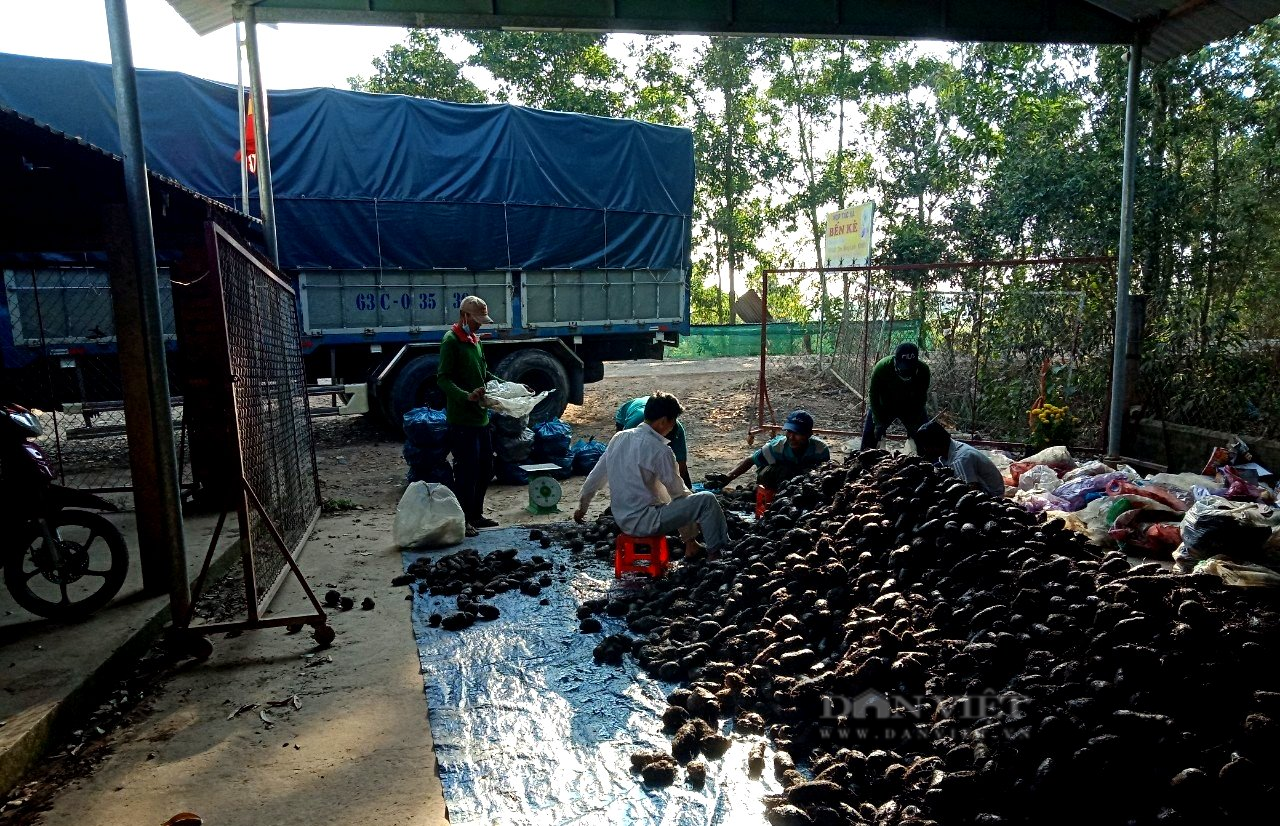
737 153
418 67
658 91
563 71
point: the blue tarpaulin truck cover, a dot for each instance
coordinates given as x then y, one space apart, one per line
365 181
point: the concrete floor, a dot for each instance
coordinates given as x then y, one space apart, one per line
358 749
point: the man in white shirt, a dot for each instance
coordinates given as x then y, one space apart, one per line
646 493
971 465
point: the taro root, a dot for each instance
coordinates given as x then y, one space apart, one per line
332 597
590 625
673 718
660 772
458 621
697 772
644 758
687 743
755 760
1065 667
485 611
714 746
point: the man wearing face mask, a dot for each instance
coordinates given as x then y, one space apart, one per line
899 388
462 375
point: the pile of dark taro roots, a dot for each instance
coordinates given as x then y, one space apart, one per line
919 652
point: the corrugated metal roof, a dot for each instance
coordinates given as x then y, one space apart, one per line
1175 27
9 118
1180 27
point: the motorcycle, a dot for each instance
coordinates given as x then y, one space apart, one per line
61 559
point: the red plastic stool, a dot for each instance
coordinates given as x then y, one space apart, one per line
641 555
763 497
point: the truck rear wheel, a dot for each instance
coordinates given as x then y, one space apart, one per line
541 371
414 386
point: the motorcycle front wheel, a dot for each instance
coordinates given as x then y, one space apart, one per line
89 569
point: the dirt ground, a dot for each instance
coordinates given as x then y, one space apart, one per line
359 463
356 747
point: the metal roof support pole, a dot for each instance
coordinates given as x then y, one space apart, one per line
266 196
164 504
244 149
1124 264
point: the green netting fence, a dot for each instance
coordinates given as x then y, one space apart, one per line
788 338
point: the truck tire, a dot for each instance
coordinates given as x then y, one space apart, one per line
414 386
541 371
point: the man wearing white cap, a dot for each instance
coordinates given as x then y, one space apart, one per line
462 375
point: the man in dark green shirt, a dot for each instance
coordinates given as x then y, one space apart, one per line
631 414
462 375
899 388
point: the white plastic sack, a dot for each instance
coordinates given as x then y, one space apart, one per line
1183 481
511 398
1239 574
428 516
1057 456
1241 530
1041 478
1093 468
1091 520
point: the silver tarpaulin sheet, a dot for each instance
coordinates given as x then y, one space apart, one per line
529 730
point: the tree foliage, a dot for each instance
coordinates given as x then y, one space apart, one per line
972 151
418 67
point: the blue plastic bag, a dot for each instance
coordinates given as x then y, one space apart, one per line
510 473
586 454
566 467
423 456
426 427
439 474
551 440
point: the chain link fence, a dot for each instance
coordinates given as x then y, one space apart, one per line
993 352
60 358
1220 373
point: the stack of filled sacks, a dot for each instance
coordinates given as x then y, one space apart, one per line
513 444
551 442
426 446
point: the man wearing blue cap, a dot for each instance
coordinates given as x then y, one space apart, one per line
790 454
898 390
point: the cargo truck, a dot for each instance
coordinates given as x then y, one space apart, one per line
390 209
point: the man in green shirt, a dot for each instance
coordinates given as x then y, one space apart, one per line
899 389
631 414
462 375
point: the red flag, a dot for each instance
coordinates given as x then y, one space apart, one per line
250 144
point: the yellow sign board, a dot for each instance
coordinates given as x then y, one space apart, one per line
848 241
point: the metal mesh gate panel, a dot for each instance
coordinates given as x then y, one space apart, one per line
270 395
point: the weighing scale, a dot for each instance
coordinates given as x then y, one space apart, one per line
544 491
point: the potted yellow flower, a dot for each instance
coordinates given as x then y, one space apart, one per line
1051 424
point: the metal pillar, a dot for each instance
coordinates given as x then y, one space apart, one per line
244 149
1115 428
266 196
164 504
